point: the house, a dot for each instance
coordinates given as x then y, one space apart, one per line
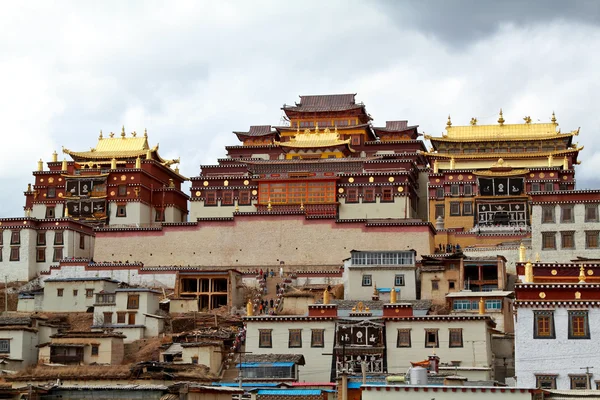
198 289
426 392
83 348
557 325
18 341
375 273
278 367
74 294
498 304
206 352
131 311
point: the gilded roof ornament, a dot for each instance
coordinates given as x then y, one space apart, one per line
553 119
473 121
123 131
111 135
449 123
582 274
134 133
501 118
317 128
527 119
145 132
100 137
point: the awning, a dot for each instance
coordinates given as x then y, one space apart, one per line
67 345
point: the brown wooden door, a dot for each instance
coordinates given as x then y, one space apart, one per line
131 319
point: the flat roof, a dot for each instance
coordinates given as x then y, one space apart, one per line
493 293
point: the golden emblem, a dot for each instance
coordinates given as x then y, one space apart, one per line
451 177
371 179
470 176
391 179
554 272
341 190
437 180
551 174
460 177
225 183
50 180
246 183
123 177
60 194
205 183
112 193
542 295
542 174
351 179
198 193
254 193
590 272
564 178
400 189
578 295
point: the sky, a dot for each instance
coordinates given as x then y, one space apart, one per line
191 72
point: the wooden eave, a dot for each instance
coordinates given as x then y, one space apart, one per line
505 156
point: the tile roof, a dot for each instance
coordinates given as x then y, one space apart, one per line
395 126
262 358
330 102
257 130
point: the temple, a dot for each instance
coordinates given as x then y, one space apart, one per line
481 175
327 162
122 181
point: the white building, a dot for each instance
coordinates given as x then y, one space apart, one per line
74 294
425 392
367 272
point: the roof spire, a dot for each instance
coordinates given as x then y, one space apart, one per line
134 133
145 133
501 118
527 119
553 119
449 123
100 137
473 121
123 131
582 274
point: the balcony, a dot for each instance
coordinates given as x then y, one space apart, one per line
105 300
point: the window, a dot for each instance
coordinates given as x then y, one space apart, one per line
543 327
4 345
567 240
295 338
439 210
591 213
454 190
227 198
89 293
107 318
49 212
355 140
578 325
60 292
535 186
399 280
579 382
1 236
431 338
591 239
403 338
454 208
352 195
366 280
81 241
493 305
548 240
195 360
58 238
58 254
40 254
15 237
545 381
264 338
435 285
211 199
455 337
51 192
133 301
41 238
75 292
566 213
159 215
468 190
468 208
317 338
121 211
121 317
95 349
387 195
369 196
547 214
122 190
14 254
439 193
244 198
548 187
451 285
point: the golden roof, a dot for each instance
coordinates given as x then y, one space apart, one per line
504 155
316 138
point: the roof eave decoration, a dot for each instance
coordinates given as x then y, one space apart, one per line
504 155
315 139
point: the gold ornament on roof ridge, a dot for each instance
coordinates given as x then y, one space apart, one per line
123 131
449 123
100 137
473 121
501 118
527 119
553 119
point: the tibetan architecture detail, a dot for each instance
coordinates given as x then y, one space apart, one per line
122 181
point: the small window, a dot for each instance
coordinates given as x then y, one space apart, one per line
548 186
566 213
468 190
369 196
49 212
40 254
435 285
591 239
4 346
547 214
439 210
1 236
356 140
454 190
75 292
591 213
493 305
89 293
58 254
122 190
567 240
467 208
548 240
95 349
41 238
387 195
579 382
451 285
352 195
15 237
60 292
456 337
543 325
535 187
82 241
545 381
366 280
439 193
399 280
121 316
431 338
58 238
121 211
403 338
264 338
133 301
244 198
195 360
211 199
454 208
579 325
295 338
317 338
14 254
51 192
227 199
107 318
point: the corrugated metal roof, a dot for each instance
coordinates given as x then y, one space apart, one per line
265 364
112 387
290 392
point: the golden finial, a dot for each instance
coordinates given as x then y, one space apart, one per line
473 121
29 187
134 133
317 127
528 272
28 212
582 274
100 137
145 133
375 292
537 257
269 206
522 250
452 163
64 165
237 207
113 163
501 118
249 309
177 169
138 163
326 297
171 183
335 129
449 123
302 205
54 156
481 306
123 131
297 128
112 134
565 163
553 119
393 295
527 119
40 165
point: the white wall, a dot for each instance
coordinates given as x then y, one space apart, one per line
438 393
198 210
382 277
136 213
399 209
130 276
70 302
22 347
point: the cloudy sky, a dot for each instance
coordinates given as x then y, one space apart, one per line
191 72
